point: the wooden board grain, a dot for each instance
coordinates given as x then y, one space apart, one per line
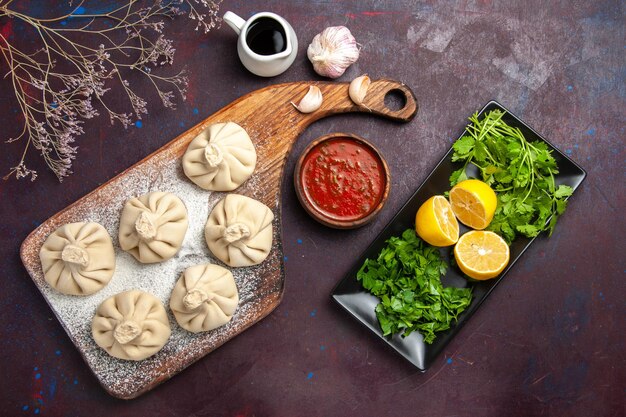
273 125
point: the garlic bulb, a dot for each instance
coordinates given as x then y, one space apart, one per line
332 51
311 101
358 89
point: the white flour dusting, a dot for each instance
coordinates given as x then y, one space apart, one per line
128 378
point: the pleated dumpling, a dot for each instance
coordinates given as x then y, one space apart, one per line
239 230
153 226
205 297
220 158
78 258
131 325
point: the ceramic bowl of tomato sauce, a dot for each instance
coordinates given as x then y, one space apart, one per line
342 180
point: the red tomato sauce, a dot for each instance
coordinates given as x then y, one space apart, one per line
343 179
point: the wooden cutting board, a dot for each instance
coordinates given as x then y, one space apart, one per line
273 125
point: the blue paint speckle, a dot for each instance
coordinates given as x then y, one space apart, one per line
40 400
449 360
314 312
25 408
63 22
591 131
195 110
309 375
322 347
53 387
37 376
139 124
182 124
299 241
36 369
79 10
58 353
76 382
285 258
36 411
570 88
568 151
576 146
601 295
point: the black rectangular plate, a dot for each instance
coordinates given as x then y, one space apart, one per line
359 303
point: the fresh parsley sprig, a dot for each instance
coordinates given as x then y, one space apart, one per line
406 276
520 172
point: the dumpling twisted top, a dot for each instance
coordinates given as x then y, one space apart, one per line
78 258
153 226
131 325
239 230
205 297
220 158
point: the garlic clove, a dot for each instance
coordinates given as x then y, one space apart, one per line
358 88
332 51
311 101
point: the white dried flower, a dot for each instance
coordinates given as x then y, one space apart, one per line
58 87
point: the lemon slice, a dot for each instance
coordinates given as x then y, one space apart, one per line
473 203
435 222
481 254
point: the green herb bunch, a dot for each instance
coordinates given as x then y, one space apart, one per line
520 172
406 277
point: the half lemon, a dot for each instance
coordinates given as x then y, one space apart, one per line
473 203
435 222
481 254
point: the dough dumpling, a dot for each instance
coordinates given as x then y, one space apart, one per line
220 158
78 258
131 325
239 230
153 226
205 297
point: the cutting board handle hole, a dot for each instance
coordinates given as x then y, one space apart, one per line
395 99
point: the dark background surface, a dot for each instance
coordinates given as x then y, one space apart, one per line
548 342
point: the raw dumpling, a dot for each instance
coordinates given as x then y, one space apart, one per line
78 258
220 158
204 298
239 230
131 325
153 226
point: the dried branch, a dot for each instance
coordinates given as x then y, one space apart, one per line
81 56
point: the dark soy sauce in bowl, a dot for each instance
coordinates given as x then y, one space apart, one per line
266 36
